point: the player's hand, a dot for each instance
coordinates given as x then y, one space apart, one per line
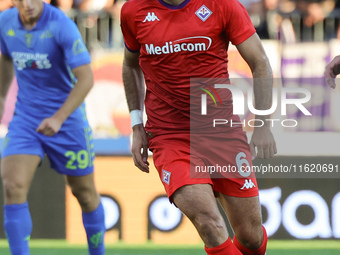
140 145
332 70
49 126
264 142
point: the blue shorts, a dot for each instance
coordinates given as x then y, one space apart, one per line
70 152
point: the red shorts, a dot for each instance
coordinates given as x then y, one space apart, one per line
217 159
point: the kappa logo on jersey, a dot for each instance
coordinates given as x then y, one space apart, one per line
203 13
166 176
248 184
78 47
151 17
46 34
11 33
23 60
195 43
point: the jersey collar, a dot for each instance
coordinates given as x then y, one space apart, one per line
174 7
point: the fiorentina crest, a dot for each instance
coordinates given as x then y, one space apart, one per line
203 13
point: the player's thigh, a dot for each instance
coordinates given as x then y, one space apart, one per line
21 155
172 159
70 152
19 169
237 187
244 214
196 200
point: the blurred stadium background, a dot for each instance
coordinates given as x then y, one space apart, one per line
301 212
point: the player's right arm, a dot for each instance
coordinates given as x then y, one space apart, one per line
253 53
135 91
6 77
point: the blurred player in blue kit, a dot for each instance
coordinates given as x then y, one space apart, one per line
52 66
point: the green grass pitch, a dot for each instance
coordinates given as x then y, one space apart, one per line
52 247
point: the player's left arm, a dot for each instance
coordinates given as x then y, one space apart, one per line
6 68
6 77
84 75
253 53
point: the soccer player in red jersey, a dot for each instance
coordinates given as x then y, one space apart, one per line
171 42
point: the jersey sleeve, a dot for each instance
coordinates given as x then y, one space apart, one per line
3 47
71 42
127 23
238 25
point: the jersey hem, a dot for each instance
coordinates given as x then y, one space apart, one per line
131 50
244 37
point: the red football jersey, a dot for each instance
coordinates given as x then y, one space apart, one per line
178 43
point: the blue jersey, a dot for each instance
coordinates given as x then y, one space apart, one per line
43 58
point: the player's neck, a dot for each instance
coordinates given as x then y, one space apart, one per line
29 24
174 2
